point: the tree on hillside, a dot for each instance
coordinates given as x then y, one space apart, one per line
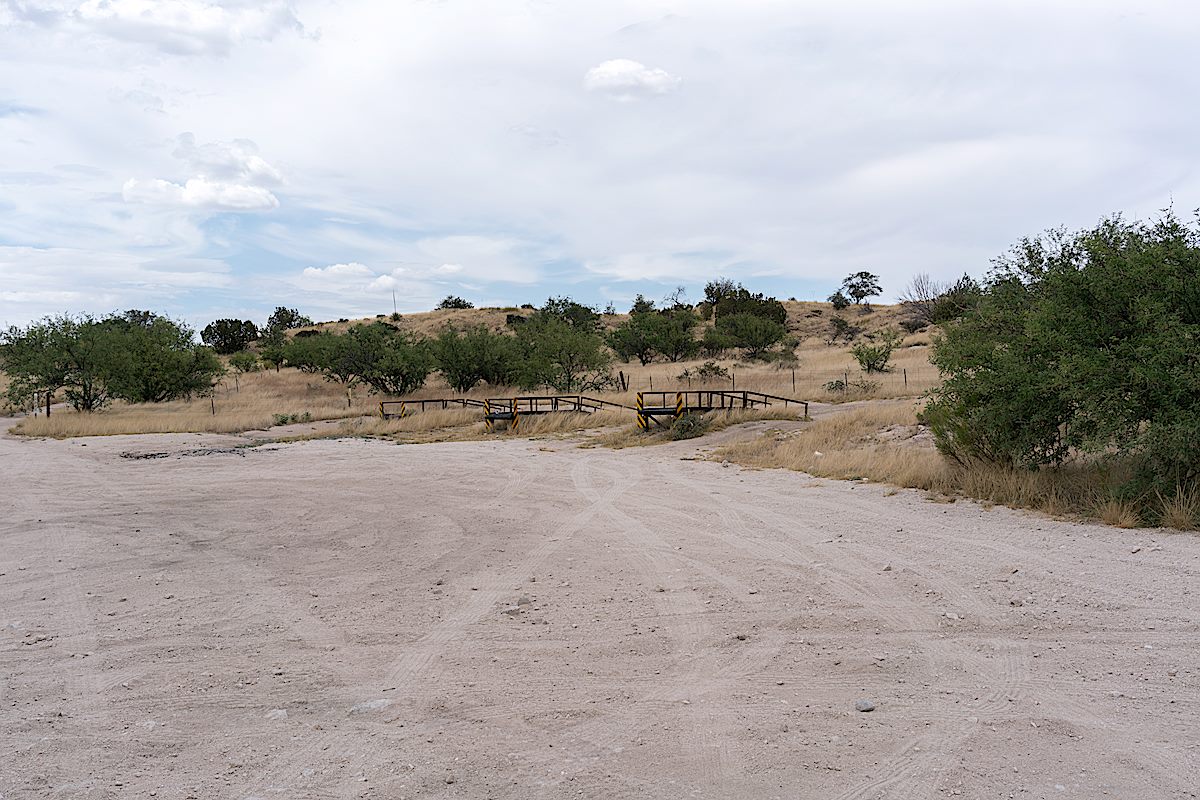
634 337
641 305
752 333
152 359
932 303
228 336
861 285
466 357
574 314
839 301
675 337
718 289
283 319
1082 343
560 355
454 302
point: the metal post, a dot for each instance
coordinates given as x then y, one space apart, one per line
905 378
793 381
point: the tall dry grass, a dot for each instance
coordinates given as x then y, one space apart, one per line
883 443
252 405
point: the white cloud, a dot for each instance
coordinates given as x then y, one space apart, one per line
232 177
227 161
39 282
626 79
199 193
188 27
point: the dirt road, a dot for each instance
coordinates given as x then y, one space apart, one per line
515 619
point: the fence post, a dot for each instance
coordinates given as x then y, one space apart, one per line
212 398
905 371
793 381
733 378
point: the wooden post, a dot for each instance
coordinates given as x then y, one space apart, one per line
212 398
48 396
733 378
652 383
793 381
905 371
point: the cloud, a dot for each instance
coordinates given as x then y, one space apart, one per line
626 79
187 27
200 193
237 161
232 177
45 281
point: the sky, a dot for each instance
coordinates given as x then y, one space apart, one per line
217 159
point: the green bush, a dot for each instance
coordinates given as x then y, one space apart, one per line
244 362
754 334
563 355
137 356
476 354
228 336
690 426
875 354
1081 344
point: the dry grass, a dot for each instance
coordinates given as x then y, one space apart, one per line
1182 511
632 436
869 443
261 396
467 425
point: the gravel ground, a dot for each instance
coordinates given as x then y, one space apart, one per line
517 619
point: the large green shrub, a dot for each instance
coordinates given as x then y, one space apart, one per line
466 357
1084 343
136 356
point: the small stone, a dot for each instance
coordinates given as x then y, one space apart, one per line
887 567
369 705
1016 601
277 713
512 611
864 706
524 600
741 637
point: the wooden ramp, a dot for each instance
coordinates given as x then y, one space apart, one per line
654 406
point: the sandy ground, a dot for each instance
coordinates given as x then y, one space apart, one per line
516 619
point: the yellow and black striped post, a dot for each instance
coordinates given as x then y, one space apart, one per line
381 414
403 410
487 416
512 425
678 405
642 422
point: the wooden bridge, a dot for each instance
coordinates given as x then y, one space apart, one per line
402 408
511 409
653 405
